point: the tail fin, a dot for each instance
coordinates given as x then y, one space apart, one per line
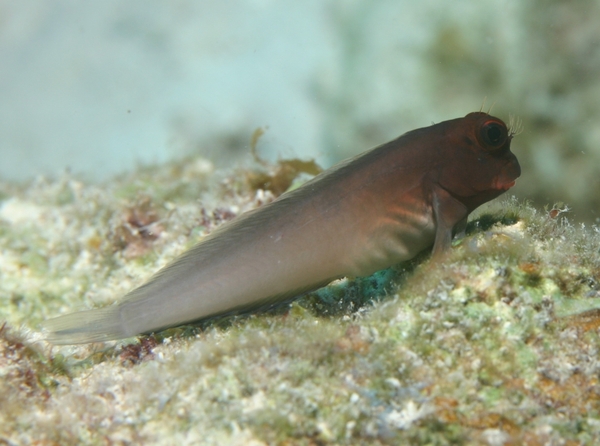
103 324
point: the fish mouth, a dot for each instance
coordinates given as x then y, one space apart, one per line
508 175
503 185
508 185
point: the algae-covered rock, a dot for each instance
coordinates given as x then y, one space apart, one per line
497 344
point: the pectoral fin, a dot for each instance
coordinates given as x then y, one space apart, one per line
448 213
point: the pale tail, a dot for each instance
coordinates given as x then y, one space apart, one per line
103 324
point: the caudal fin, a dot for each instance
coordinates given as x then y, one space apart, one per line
103 324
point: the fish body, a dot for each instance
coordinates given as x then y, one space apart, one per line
380 208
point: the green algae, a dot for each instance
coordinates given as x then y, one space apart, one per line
496 344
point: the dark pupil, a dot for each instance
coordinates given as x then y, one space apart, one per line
494 133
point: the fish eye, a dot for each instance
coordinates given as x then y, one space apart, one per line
493 134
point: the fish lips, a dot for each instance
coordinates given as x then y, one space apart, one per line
508 176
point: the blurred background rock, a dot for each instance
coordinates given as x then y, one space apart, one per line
100 87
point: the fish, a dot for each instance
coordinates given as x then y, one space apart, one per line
370 212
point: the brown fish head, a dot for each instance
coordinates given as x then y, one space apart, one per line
482 166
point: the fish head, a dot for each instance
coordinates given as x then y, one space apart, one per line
479 163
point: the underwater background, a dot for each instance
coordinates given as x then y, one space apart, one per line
101 87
